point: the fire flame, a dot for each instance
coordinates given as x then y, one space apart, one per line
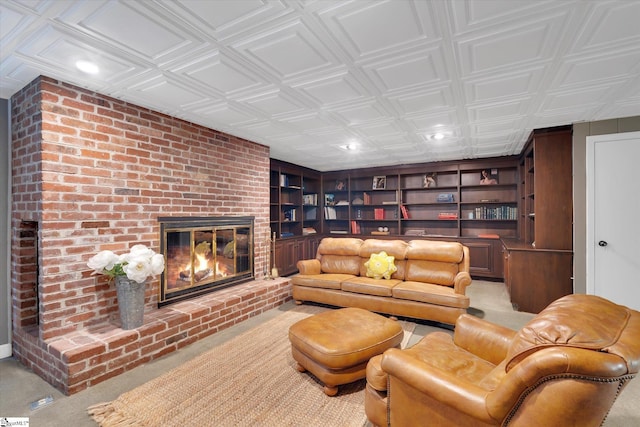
201 263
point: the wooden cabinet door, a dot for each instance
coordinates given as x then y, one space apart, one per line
311 247
485 257
537 278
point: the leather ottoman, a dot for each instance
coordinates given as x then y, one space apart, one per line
336 345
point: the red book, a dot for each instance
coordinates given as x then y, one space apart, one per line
405 212
448 215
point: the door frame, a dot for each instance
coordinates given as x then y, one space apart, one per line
590 202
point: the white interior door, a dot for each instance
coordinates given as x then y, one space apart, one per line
613 208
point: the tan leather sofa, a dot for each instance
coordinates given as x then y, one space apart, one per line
429 283
564 368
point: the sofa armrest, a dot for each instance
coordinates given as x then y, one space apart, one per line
309 266
438 385
460 282
482 338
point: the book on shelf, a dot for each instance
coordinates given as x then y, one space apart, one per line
448 215
355 227
415 232
338 232
366 197
290 215
310 199
284 182
329 212
308 230
286 234
405 211
380 233
342 203
489 236
498 212
378 213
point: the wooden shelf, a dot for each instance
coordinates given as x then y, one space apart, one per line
417 189
291 189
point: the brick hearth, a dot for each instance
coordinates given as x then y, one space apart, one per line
92 355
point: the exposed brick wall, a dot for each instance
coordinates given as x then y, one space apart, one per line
25 261
26 188
94 173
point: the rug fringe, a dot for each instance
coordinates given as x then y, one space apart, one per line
106 416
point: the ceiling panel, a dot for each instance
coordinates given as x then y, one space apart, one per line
307 77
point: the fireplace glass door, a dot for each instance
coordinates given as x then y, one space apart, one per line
199 259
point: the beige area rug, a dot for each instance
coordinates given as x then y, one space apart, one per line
250 380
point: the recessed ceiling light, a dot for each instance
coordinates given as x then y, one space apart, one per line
350 147
87 67
438 136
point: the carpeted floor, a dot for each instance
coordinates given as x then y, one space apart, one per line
241 383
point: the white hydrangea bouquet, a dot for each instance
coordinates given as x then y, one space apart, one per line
138 265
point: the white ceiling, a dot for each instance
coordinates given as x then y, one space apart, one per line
307 77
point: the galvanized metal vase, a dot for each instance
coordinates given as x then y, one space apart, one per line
130 302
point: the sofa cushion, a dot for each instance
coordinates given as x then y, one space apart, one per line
429 293
394 248
432 250
345 264
369 286
339 246
438 350
325 280
380 266
440 273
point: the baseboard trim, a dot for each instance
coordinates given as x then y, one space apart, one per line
5 351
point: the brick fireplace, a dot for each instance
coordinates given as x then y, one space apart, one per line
92 173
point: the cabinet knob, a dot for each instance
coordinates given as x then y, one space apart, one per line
602 243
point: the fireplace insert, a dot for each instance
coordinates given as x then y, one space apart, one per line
203 254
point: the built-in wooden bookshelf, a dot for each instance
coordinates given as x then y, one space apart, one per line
448 199
546 190
442 200
295 205
545 225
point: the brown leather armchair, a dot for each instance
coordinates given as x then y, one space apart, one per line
565 367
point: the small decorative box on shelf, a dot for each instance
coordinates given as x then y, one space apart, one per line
445 198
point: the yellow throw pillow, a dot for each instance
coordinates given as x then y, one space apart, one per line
380 266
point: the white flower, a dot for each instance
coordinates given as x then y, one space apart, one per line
138 268
157 264
141 251
138 265
102 261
